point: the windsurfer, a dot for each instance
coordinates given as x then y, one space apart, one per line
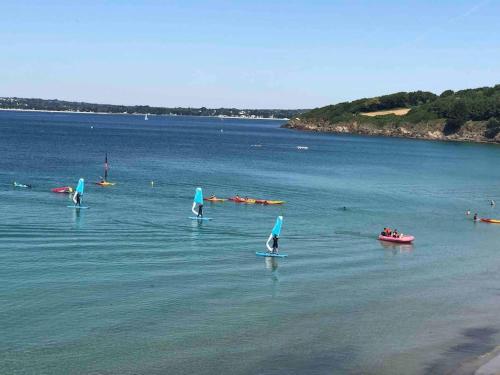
78 199
275 244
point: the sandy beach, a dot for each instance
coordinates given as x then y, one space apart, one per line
397 112
486 364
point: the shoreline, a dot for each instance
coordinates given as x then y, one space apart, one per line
469 133
137 114
484 364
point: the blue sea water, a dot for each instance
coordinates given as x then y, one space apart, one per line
132 286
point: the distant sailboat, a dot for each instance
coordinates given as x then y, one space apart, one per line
104 181
146 117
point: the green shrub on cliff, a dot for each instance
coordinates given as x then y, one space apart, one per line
492 128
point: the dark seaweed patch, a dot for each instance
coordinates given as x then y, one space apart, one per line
476 341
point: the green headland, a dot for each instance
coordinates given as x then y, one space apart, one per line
465 115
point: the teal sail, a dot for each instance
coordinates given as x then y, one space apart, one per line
79 191
81 186
198 196
198 200
275 232
277 226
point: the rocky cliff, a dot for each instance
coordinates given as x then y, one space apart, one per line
471 131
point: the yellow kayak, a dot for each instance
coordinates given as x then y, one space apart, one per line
105 183
274 202
215 199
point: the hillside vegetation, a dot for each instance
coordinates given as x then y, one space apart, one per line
474 110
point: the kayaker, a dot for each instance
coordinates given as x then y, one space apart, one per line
275 244
212 196
200 210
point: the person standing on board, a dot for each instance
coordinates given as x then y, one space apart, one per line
200 210
275 244
78 199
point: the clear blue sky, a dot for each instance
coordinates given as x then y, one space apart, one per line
246 54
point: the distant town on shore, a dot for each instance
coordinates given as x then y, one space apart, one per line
33 104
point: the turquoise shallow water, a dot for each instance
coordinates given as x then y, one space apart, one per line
131 286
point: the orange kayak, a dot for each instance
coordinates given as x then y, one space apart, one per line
252 201
274 202
491 221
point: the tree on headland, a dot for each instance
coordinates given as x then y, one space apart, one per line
446 93
456 117
492 128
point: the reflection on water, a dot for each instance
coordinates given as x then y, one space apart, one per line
196 224
396 248
272 265
77 218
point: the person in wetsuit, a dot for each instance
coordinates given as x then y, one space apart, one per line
275 244
200 210
78 200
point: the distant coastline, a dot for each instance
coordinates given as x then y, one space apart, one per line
56 105
140 114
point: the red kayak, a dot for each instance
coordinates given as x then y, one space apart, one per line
64 189
404 239
237 199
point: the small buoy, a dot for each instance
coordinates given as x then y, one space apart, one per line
91 127
152 183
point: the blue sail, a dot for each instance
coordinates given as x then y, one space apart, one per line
198 196
277 226
81 186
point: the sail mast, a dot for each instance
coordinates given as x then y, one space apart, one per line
106 167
